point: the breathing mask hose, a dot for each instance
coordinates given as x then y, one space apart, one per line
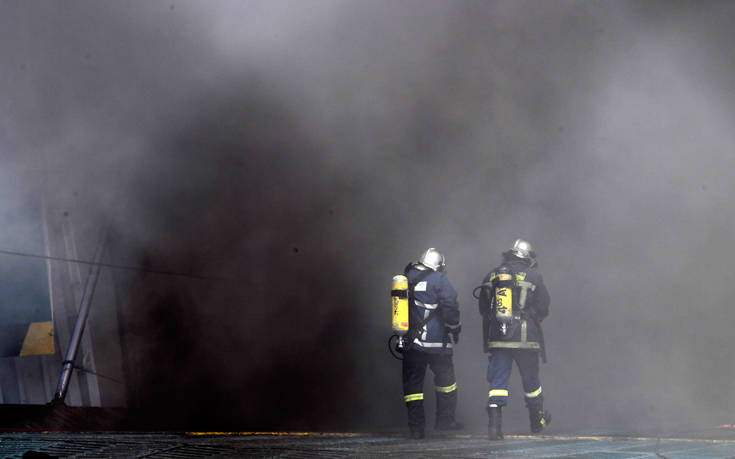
395 354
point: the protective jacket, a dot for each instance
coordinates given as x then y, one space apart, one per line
434 311
525 330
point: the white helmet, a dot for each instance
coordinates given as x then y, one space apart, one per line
522 249
433 259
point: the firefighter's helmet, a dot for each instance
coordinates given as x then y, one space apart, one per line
522 249
433 259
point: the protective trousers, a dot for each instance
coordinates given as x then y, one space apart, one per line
498 374
414 370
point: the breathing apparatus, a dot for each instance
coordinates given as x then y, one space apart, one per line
430 261
503 298
507 292
399 300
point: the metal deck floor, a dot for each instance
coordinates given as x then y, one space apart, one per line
341 445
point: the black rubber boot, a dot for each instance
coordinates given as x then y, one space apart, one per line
416 419
495 423
417 433
446 405
539 417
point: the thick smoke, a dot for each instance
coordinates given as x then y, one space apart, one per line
302 154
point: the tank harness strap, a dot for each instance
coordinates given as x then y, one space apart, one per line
527 314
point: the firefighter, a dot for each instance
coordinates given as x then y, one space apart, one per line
434 328
513 301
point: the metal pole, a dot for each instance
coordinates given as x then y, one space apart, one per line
76 335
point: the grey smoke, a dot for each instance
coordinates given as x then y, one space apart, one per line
307 152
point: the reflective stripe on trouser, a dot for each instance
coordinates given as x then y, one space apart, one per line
446 389
535 399
446 404
498 373
414 370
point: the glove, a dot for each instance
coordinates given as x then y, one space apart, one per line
454 332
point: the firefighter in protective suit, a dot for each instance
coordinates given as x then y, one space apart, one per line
434 328
513 301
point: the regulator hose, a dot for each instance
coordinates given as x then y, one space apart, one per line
390 348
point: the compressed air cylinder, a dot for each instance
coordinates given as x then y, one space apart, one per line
504 297
399 297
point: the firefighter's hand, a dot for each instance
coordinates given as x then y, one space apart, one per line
455 333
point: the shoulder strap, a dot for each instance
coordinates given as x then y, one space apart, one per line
422 275
535 320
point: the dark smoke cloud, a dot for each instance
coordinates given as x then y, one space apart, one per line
306 153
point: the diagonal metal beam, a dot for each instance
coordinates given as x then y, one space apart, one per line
81 322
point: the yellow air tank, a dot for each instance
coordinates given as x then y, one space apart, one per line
504 297
399 297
